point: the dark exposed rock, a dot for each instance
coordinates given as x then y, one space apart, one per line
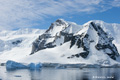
50 45
67 36
73 40
72 56
98 34
84 54
99 46
37 45
86 36
68 57
94 26
77 55
85 45
76 39
51 27
111 55
60 22
111 47
17 42
115 50
44 36
91 41
78 43
98 29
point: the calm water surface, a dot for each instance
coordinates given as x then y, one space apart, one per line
61 74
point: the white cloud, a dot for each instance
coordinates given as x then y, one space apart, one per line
116 3
23 13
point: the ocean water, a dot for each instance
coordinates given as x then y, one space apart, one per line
61 74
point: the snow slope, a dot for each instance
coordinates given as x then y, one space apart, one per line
64 42
18 43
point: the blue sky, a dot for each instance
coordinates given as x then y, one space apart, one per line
15 14
110 16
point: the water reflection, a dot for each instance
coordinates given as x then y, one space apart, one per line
61 74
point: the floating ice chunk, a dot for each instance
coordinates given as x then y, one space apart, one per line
38 66
61 67
31 66
14 65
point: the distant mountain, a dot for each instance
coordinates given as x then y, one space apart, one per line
15 44
95 42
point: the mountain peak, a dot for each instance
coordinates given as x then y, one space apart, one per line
61 21
56 27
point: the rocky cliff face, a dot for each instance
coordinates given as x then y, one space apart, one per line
90 37
54 36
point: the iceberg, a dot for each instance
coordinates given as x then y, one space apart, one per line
33 66
38 66
10 65
61 66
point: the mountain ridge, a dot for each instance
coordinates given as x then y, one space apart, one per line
72 43
101 40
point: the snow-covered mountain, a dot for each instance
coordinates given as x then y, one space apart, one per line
95 42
